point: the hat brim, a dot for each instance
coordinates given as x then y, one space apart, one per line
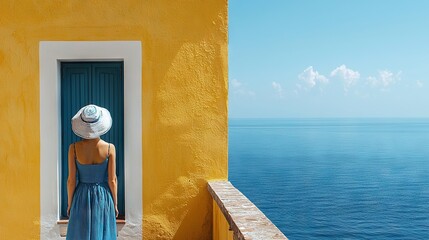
91 130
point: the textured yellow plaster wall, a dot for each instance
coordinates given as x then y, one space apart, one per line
184 104
221 229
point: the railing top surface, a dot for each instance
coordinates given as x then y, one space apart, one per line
244 218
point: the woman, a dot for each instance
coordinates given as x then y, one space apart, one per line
92 204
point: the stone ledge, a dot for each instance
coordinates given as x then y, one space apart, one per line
244 218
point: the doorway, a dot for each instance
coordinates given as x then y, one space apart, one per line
102 84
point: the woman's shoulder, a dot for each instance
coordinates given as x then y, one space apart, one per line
111 146
72 146
105 143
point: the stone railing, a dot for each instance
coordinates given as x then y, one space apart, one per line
236 217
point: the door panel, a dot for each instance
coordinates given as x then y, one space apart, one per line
100 83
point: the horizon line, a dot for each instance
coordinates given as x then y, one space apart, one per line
329 117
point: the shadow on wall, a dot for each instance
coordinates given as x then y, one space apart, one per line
186 211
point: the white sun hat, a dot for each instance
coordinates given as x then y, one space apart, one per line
91 122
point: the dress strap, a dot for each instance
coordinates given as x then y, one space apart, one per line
108 151
74 149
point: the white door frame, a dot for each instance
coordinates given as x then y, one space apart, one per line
51 53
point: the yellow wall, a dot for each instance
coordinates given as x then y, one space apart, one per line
220 225
184 104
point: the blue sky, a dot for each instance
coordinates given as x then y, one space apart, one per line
328 58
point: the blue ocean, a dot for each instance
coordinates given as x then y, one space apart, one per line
335 178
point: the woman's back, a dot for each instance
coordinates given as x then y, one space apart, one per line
91 151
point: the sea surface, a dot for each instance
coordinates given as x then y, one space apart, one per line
335 178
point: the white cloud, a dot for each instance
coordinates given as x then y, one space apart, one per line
277 88
349 76
312 77
238 88
384 79
235 83
419 83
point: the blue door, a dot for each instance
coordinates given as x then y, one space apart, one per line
100 83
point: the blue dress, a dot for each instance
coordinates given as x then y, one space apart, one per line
92 214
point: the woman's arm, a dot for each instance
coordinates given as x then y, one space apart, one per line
113 181
71 181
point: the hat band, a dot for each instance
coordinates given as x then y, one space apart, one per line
93 121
